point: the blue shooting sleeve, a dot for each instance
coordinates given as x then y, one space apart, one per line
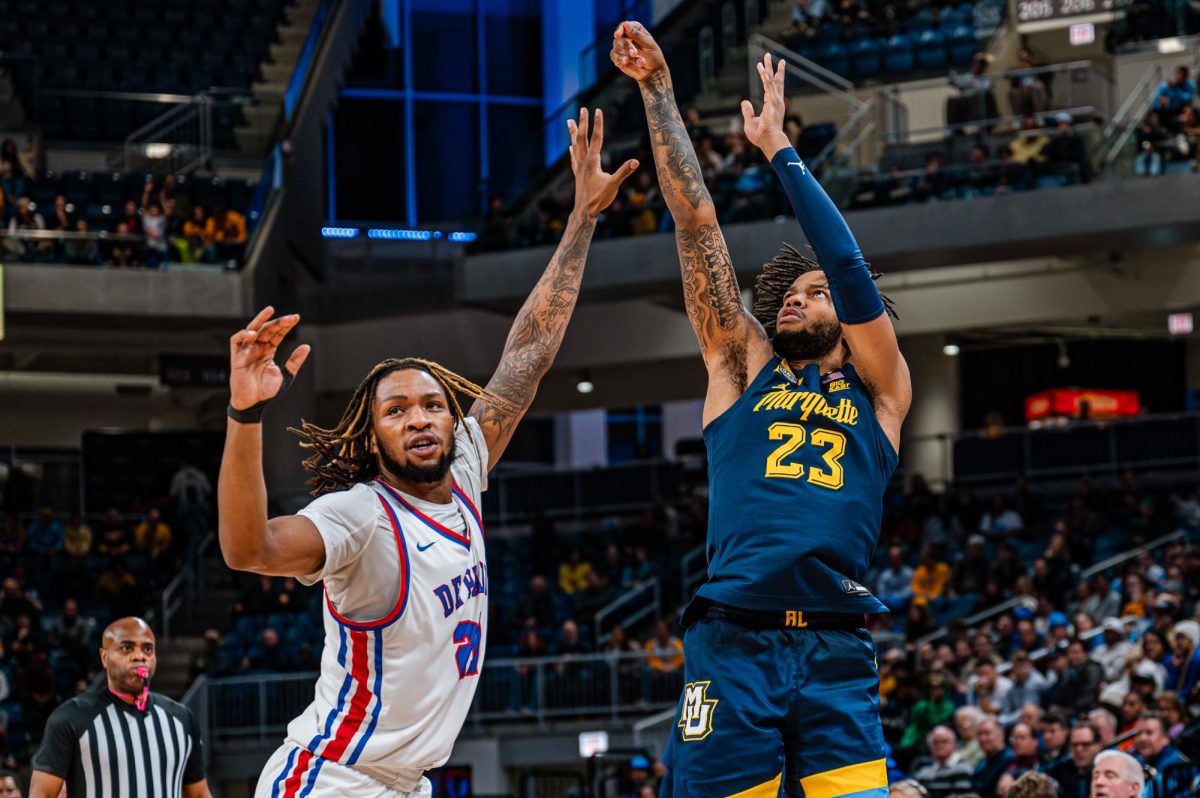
852 288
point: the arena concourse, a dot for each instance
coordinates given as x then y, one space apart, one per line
1023 174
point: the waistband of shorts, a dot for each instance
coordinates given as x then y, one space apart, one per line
785 619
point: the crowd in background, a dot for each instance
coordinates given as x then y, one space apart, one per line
162 225
64 578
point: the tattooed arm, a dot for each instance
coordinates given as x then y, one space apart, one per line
541 323
732 342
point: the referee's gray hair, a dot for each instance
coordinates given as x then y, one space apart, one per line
1126 764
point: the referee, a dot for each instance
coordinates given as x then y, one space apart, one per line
122 740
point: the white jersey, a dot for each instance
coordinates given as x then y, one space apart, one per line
405 626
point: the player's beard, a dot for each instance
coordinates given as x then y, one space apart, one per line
415 473
810 344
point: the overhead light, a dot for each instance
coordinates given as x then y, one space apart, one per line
950 350
585 384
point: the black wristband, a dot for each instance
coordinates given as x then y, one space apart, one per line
253 414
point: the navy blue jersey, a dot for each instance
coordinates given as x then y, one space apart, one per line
797 470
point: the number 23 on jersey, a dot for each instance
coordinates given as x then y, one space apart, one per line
794 436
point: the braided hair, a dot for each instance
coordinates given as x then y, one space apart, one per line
776 278
342 457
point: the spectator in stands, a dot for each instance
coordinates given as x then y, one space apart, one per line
935 709
981 177
77 538
1105 723
1101 601
1054 746
33 684
9 786
573 573
25 640
930 577
1134 595
1081 683
943 773
131 217
114 539
1114 651
258 599
1028 146
45 534
198 234
1153 140
27 220
1033 785
72 633
1030 91
691 121
1132 708
966 724
1024 745
82 251
1027 688
932 183
1001 520
920 622
665 650
123 252
1066 155
1174 95
976 102
970 574
228 233
1117 775
569 642
209 661
14 602
269 656
894 586
619 642
60 216
989 690
538 605
996 757
1183 663
808 14
153 537
118 587
1154 744
16 174
1074 775
154 228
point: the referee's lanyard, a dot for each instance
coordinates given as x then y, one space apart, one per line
140 701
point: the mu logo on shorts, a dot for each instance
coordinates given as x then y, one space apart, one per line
696 719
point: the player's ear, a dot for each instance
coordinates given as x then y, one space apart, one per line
371 447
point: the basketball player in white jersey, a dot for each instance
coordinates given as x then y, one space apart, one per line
395 533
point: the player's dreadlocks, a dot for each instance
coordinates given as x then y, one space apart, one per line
341 456
777 277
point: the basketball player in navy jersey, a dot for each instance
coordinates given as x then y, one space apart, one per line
802 419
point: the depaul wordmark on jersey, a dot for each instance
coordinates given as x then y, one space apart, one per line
473 582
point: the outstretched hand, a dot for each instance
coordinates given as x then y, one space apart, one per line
635 52
254 376
765 129
595 189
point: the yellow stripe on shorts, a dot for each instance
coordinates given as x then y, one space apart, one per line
847 780
768 789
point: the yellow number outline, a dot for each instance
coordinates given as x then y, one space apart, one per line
794 436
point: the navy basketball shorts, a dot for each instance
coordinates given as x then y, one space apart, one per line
776 712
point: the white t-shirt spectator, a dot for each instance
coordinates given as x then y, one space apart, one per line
1007 521
895 583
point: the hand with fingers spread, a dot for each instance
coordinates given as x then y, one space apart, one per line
635 52
595 189
255 379
765 129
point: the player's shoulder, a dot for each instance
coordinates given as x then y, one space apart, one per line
360 495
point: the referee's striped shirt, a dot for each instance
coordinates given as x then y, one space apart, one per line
103 747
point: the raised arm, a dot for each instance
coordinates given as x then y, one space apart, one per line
284 546
732 342
868 330
541 323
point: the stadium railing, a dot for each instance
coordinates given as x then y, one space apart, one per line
641 601
538 689
1086 573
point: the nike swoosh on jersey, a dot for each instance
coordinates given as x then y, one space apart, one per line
426 546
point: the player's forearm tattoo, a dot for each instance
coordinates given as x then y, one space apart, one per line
538 330
712 297
675 158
